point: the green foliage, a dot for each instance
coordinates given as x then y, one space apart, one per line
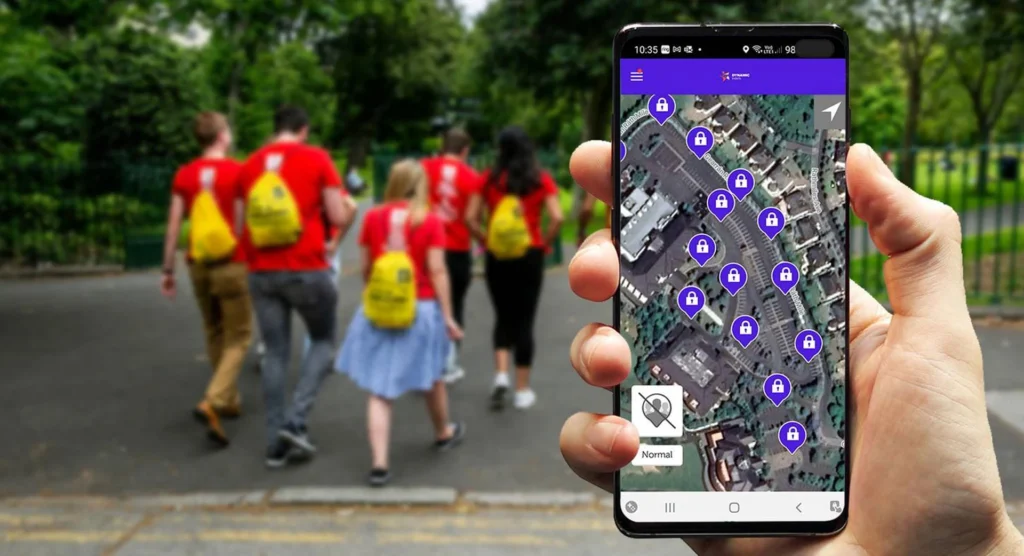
290 74
142 92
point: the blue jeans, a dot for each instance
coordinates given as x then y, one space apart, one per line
335 262
313 296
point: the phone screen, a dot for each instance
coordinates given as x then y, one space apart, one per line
732 219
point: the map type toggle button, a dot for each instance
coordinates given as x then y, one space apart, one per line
661 107
808 344
702 248
691 300
792 436
700 140
741 182
721 203
777 388
733 277
771 221
785 275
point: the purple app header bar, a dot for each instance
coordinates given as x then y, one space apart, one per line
712 76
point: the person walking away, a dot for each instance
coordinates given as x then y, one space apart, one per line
452 182
287 186
205 190
332 250
515 191
400 336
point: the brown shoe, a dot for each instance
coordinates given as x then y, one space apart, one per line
230 411
205 414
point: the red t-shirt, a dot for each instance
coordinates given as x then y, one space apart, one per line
533 203
307 170
419 239
452 183
219 174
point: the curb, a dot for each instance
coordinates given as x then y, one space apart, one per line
330 497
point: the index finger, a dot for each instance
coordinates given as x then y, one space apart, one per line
591 167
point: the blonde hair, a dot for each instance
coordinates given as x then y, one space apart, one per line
407 181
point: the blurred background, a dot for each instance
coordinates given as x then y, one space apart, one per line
98 98
97 103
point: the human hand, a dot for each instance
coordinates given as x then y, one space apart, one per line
168 286
924 477
454 330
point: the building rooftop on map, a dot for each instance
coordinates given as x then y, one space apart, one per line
727 120
799 202
817 259
652 215
744 138
830 284
761 158
806 230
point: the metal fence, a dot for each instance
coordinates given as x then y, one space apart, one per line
984 185
113 212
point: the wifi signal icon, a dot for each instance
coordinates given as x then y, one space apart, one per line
757 49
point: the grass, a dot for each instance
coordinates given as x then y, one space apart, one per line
993 268
958 187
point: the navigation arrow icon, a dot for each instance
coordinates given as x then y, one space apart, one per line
832 110
798 507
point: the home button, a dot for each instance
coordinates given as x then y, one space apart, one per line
734 507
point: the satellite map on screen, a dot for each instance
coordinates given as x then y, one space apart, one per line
733 291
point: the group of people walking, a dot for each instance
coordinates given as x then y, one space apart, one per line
264 236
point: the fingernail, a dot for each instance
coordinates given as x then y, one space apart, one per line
602 435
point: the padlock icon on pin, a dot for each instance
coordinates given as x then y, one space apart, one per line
661 105
702 246
721 202
777 387
700 139
793 435
745 328
785 275
734 276
691 299
809 342
771 220
741 181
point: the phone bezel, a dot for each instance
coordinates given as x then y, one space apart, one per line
743 528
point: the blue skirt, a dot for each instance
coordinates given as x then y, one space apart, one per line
389 363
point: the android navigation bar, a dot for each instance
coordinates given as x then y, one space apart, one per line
653 507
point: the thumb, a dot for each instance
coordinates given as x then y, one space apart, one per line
924 274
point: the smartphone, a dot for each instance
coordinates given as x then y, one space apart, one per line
732 217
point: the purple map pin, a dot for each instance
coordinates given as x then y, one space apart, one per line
785 275
741 182
792 435
702 248
733 277
777 388
691 300
622 150
700 141
771 221
661 107
745 329
721 203
808 344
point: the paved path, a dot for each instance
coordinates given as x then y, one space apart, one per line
100 375
989 217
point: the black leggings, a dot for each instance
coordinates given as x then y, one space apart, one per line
514 286
460 269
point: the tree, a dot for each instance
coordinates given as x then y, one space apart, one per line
141 93
917 26
392 69
245 28
989 60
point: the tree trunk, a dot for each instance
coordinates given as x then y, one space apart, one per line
358 149
908 160
985 132
596 112
234 92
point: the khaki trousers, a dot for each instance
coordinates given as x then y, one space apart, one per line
222 292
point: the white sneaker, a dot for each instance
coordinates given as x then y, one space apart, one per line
453 374
524 399
498 390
